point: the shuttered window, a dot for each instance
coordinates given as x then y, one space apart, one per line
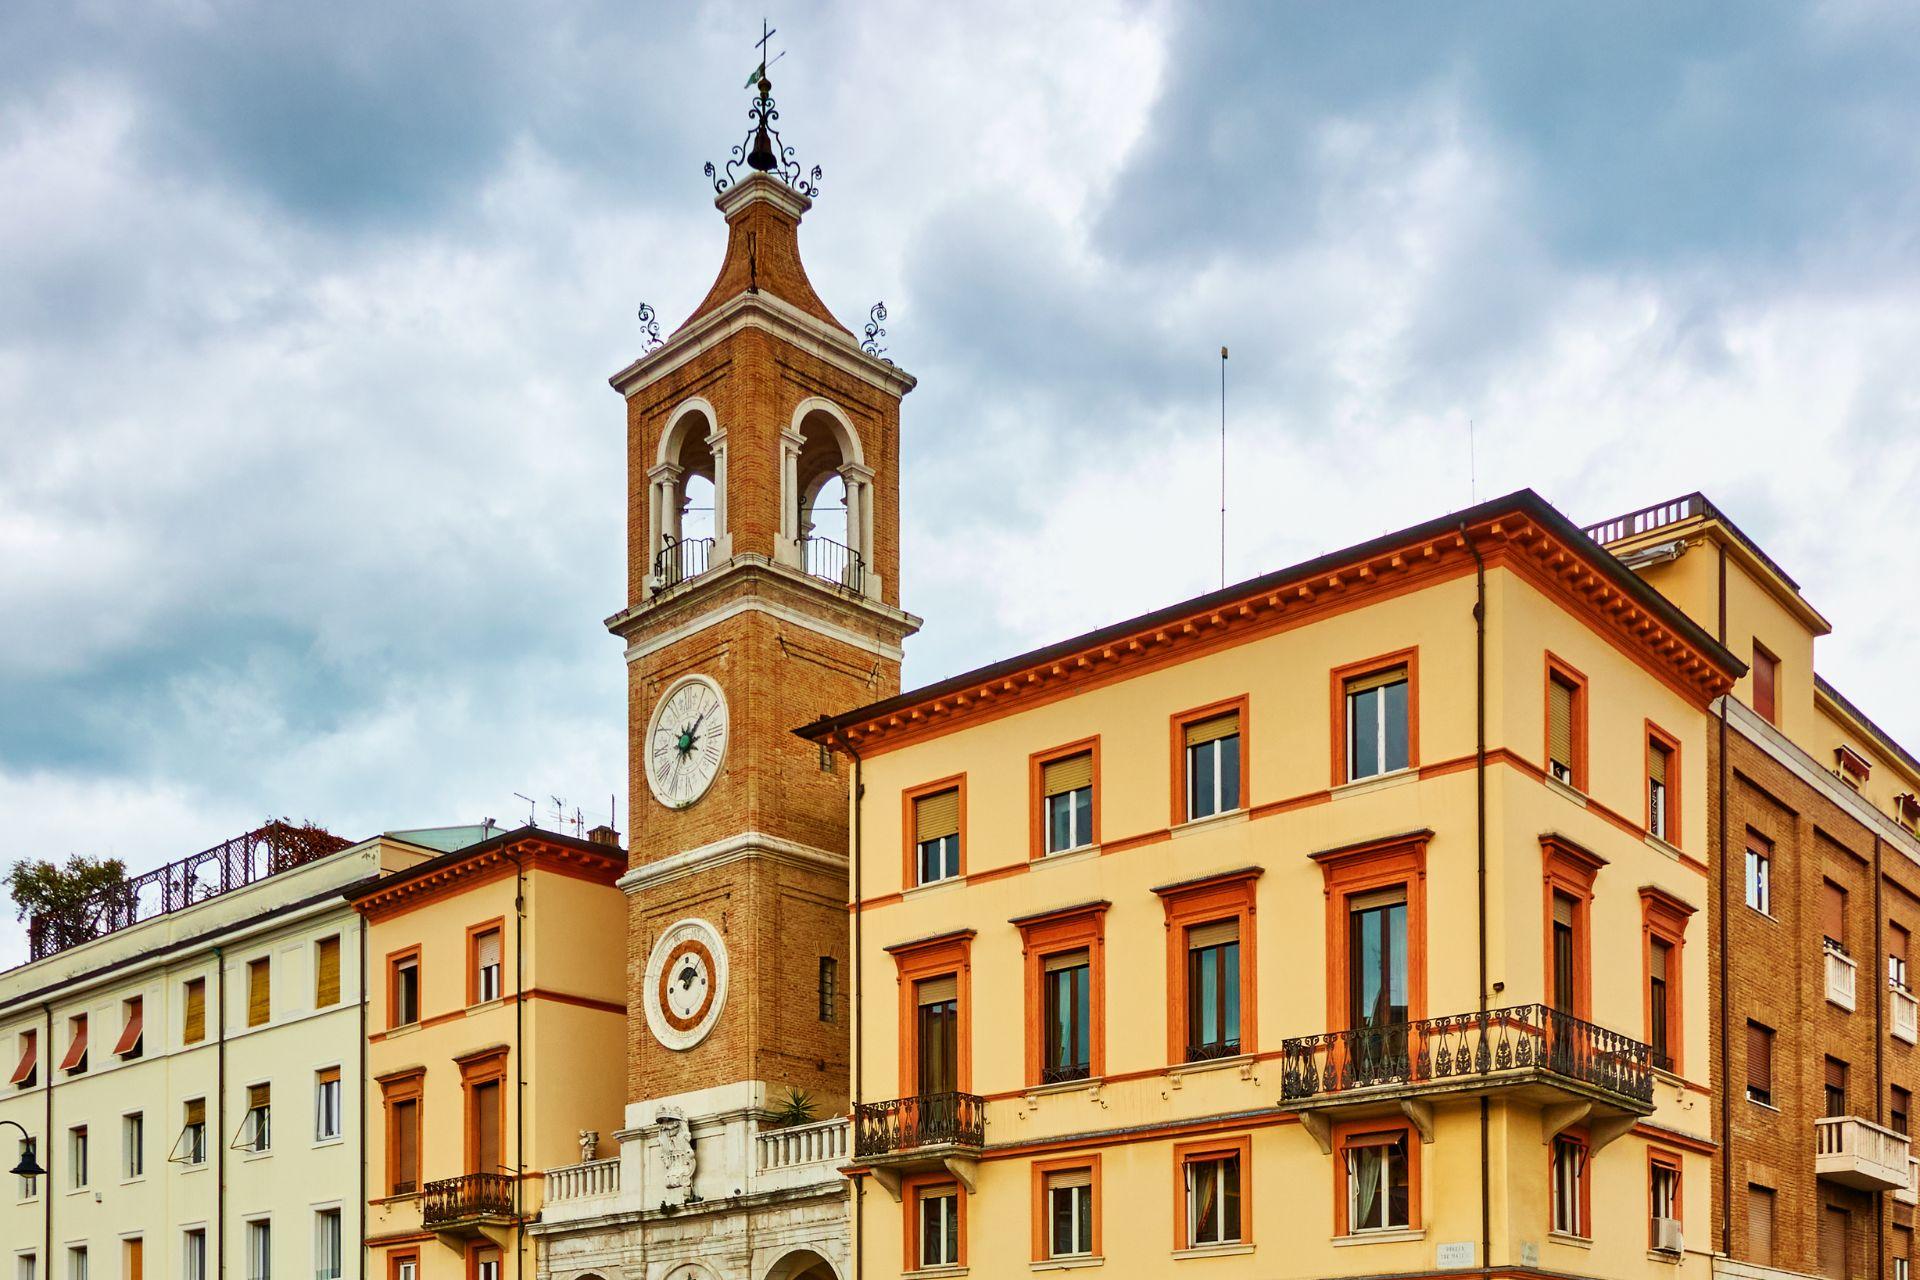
485 1099
1560 724
1760 1225
194 1029
1766 669
486 966
403 1137
132 1030
1659 790
1833 913
76 1060
326 977
1834 1088
24 1074
326 1103
1069 774
1760 1063
1213 765
1659 958
259 991
936 835
1067 789
256 1133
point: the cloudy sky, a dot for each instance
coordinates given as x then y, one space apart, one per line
311 492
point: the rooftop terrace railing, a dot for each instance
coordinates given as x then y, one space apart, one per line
1674 511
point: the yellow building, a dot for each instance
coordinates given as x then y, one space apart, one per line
496 1019
1348 921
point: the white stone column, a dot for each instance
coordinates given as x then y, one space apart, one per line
663 508
722 535
859 484
787 549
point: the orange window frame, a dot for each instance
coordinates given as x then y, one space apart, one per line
1658 737
1228 896
394 961
949 955
471 1259
1343 1134
1337 685
1177 745
1186 1153
1049 934
910 845
914 1188
1576 1134
1569 869
1664 917
1576 679
407 1086
1353 870
1764 659
497 924
1042 1222
1037 801
487 1067
398 1256
1661 1159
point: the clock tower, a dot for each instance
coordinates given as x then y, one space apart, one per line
763 466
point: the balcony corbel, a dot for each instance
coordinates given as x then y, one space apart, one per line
1601 1130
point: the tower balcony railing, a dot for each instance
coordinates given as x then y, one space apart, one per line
833 562
932 1121
680 559
467 1201
1530 1047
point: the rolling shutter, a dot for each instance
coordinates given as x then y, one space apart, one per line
936 815
1065 960
326 982
1560 722
1212 935
1378 680
1657 763
259 1095
486 950
196 1021
936 990
1071 1178
1213 729
1759 1058
197 1111
259 991
1833 911
1061 776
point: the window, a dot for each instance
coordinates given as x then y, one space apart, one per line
1066 995
326 1104
937 1226
132 1032
1570 1198
77 1262
1662 787
326 1244
193 1028
1898 940
1663 1197
77 1156
829 988
133 1255
937 1001
403 1266
259 991
1212 1186
27 1073
256 1129
403 989
76 1060
1833 916
1760 1224
260 1250
1834 1226
191 1147
936 835
1664 921
133 1145
193 1254
1067 1203
484 1124
1211 750
1067 802
1899 1105
403 1146
1759 1063
1766 682
1660 1008
1379 735
28 1267
1834 1087
1213 990
484 958
1566 970
326 973
1759 874
1566 724
1379 1191
486 1264
1902 1252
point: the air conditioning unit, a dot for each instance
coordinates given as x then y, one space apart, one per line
1666 1235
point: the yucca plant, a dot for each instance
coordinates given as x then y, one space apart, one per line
795 1108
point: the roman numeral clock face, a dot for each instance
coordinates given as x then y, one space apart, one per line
686 741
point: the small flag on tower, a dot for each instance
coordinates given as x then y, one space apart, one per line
759 74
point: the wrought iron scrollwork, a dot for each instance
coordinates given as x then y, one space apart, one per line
764 152
649 327
871 343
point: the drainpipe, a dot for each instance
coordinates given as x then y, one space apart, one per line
46 1145
1726 998
1480 840
220 1111
1879 989
360 1209
519 1062
859 1046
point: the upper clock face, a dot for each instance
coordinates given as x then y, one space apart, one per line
686 983
686 741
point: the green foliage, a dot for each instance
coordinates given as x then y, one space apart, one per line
795 1108
40 887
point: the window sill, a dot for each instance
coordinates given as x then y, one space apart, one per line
133 1181
251 1156
1399 1235
335 1141
921 890
481 1006
1568 790
1671 1258
400 1198
1194 826
1571 1241
1661 845
403 1029
79 1191
1765 1106
1084 853
935 1273
1213 1251
1243 1062
1376 782
1067 1264
1089 1084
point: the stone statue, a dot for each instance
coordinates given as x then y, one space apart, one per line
589 1144
676 1154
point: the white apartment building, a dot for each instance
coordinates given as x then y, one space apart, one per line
187 1058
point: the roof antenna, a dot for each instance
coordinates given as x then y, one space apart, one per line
1223 468
529 800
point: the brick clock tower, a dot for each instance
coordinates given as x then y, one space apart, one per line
752 611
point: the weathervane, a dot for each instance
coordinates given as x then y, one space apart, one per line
763 151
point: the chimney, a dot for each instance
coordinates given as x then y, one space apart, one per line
604 834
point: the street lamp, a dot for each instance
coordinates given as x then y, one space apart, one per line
28 1166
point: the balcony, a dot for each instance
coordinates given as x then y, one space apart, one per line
1903 1012
592 1180
1840 976
799 1155
679 560
1910 1194
461 1206
1859 1153
934 1130
1529 1052
833 562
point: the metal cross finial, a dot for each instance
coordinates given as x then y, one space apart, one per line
766 33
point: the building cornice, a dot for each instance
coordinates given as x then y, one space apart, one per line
721 853
483 863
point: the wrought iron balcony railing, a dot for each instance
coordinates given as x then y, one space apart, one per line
931 1120
1469 1050
833 561
470 1197
680 559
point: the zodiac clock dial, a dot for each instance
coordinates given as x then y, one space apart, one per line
686 741
686 983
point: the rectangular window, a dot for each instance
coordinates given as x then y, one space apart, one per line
1377 959
1834 1088
404 1266
486 1264
1766 682
326 973
1378 1195
1213 765
1067 1011
1902 1252
1570 1186
133 1145
26 1073
193 1028
326 1104
1659 793
326 1244
1759 1063
829 988
403 991
1663 1197
486 965
260 1250
133 1255
1659 1010
1834 1226
1760 1224
1563 715
256 1130
1067 791
1213 1200
77 1156
1069 1209
1898 940
76 1060
1213 990
938 1002
1833 915
1378 738
193 1254
938 1226
936 835
77 1262
259 991
132 1029
28 1267
1760 876
403 1146
483 1126
191 1147
1566 967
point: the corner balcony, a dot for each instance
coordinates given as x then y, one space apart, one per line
463 1205
909 1135
1840 975
1529 1053
1903 1022
1859 1153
